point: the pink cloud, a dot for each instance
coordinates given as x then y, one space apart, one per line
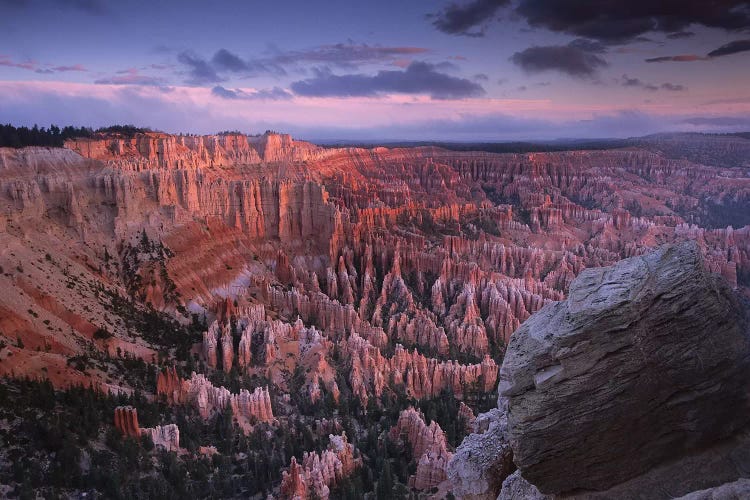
6 61
402 63
178 109
130 76
75 67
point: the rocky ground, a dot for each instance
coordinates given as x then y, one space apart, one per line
247 293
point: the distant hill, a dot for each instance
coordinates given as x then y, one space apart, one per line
721 150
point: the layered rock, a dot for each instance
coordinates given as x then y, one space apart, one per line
646 364
653 343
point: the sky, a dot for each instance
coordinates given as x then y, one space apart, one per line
465 70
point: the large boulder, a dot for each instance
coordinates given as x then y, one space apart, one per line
644 361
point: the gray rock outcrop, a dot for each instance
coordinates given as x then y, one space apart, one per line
644 361
736 490
636 386
479 465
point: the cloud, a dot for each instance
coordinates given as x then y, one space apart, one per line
482 77
680 58
92 7
37 68
567 59
680 34
274 94
393 117
30 65
588 45
635 82
130 76
75 67
349 56
673 87
418 78
627 81
458 19
733 47
608 21
615 21
223 59
199 70
344 54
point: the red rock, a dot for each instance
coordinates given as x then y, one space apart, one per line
319 471
126 421
247 407
428 446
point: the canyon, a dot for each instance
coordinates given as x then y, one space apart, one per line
367 301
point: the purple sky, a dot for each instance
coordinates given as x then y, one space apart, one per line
469 70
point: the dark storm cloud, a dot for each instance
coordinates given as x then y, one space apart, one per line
615 21
458 19
627 81
274 94
567 59
731 48
609 21
418 78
